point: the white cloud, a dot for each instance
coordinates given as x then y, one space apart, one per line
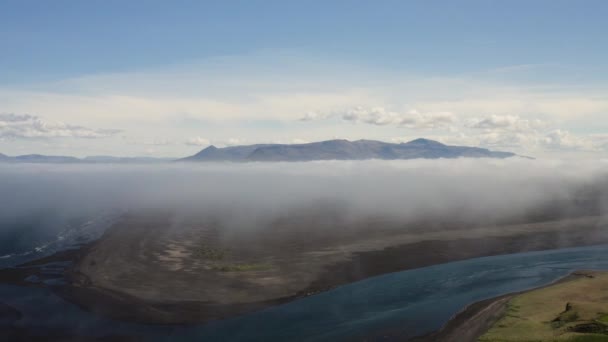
507 122
374 116
381 116
497 139
431 120
263 102
233 142
159 142
563 140
297 141
512 132
507 131
312 116
151 142
198 141
600 140
24 126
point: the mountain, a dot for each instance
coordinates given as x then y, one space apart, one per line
343 150
323 150
38 158
123 160
42 159
232 153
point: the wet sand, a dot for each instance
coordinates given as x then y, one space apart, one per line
152 269
472 322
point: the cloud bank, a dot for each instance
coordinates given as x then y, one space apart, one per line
24 126
493 131
381 116
251 195
247 98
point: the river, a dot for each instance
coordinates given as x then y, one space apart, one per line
408 303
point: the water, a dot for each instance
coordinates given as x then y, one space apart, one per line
42 234
414 302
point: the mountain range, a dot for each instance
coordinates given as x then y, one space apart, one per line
342 150
43 159
323 150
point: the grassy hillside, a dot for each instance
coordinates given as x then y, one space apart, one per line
572 310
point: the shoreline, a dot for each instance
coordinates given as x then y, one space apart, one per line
428 253
83 292
477 318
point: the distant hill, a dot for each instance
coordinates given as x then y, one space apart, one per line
38 158
343 150
44 159
124 160
323 150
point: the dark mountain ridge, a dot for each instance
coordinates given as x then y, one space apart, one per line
322 150
343 150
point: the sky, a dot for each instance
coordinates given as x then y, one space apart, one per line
168 78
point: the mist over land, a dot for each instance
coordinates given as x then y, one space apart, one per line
468 189
262 234
248 197
302 171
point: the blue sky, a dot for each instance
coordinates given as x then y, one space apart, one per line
167 77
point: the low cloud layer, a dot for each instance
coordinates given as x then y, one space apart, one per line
24 126
251 195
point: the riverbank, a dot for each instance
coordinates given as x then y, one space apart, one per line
573 309
470 323
485 320
142 271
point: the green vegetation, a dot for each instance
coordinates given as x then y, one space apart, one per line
564 318
589 338
573 310
216 258
209 253
603 318
242 267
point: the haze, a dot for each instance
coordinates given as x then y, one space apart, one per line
249 194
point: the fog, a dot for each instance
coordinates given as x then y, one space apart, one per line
469 189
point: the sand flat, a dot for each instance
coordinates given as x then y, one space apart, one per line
145 258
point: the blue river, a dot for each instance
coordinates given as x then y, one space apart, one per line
412 303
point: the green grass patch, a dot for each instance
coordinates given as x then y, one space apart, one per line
565 318
589 338
242 267
572 310
209 253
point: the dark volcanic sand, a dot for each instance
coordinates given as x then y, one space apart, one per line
147 268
